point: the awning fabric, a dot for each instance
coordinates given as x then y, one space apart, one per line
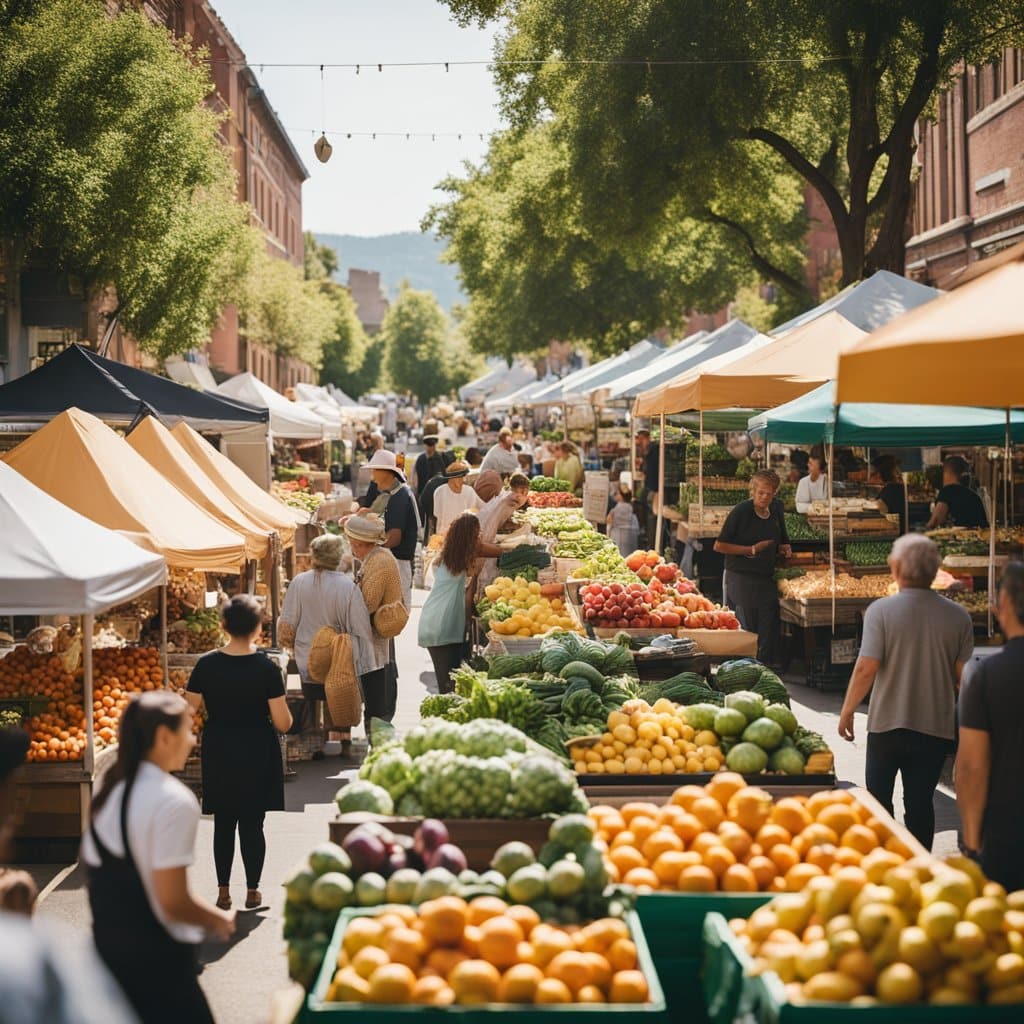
262 508
81 462
287 419
662 399
773 374
813 418
965 347
660 369
55 561
116 393
583 382
155 443
521 396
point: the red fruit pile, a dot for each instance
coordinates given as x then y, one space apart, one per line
634 606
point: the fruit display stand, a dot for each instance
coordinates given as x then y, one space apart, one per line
617 790
655 1009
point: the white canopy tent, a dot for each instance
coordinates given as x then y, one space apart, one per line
499 378
287 419
512 379
663 368
582 383
335 404
521 396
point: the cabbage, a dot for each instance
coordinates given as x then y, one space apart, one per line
487 737
362 795
540 785
747 759
329 857
730 722
764 732
751 704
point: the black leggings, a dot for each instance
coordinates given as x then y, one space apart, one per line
447 657
250 838
919 758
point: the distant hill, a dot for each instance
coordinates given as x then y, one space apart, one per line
408 256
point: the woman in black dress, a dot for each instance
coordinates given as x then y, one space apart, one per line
243 777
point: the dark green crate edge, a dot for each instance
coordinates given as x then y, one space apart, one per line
673 921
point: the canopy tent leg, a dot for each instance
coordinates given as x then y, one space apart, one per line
274 583
163 634
661 483
829 449
700 470
89 759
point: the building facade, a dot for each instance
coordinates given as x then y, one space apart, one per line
371 302
969 200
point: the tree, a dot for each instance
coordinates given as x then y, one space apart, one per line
321 261
833 88
415 335
345 351
534 270
109 161
368 377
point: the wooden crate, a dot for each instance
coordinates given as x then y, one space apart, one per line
478 838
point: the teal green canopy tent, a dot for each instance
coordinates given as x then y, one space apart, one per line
813 418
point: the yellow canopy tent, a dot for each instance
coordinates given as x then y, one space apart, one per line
256 503
83 463
964 348
154 442
770 375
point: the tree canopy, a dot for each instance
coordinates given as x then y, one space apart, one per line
109 160
669 103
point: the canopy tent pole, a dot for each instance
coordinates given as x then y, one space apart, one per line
700 467
274 583
632 452
829 449
163 634
906 503
661 483
89 759
1007 475
992 551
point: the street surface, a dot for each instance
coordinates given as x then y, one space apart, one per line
241 977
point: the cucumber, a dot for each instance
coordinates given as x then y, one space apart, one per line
583 671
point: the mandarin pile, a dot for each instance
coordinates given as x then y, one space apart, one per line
482 952
732 837
118 672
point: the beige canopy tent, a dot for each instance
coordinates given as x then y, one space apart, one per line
81 462
155 443
770 375
964 348
262 508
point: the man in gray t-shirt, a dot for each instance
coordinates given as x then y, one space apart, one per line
914 648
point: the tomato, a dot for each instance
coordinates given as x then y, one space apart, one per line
606 592
622 624
642 622
616 588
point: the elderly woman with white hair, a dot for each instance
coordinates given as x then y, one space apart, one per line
913 650
325 596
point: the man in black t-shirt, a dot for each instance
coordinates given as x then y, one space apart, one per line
430 463
990 757
955 504
752 535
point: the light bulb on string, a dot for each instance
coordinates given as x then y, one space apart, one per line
322 148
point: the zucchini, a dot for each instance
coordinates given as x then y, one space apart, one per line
584 671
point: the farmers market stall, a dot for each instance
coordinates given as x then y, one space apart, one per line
55 562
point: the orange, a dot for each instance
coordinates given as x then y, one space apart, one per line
823 856
697 878
432 991
572 968
641 878
628 987
362 931
444 960
636 808
622 955
764 870
499 941
526 954
860 838
392 983
735 839
770 835
611 824
799 875
669 865
475 982
626 858
643 827
526 917
846 855
470 942
791 814
405 946
390 920
368 959
816 833
600 970
625 838
444 920
706 841
669 814
519 984
783 857
880 829
551 990
485 907
838 817
739 878
708 811
750 807
662 841
686 796
687 826
896 845
719 859
590 994
548 942
724 785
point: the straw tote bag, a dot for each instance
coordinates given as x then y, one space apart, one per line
331 662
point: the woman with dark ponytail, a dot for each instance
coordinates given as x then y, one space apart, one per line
140 843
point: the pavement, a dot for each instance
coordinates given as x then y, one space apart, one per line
241 977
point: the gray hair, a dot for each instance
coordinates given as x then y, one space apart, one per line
918 559
1012 584
326 551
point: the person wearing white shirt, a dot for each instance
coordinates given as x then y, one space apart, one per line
502 457
454 498
813 487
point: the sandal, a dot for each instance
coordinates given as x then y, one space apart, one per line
253 899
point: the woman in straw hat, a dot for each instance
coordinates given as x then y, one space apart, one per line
454 498
375 572
324 596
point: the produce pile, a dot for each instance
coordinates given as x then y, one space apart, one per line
649 565
553 499
976 602
714 497
731 837
552 522
606 565
186 591
296 494
524 560
799 529
654 606
549 484
482 769
882 931
818 586
199 631
518 607
580 543
58 732
868 552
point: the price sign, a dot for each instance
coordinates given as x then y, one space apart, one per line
596 489
844 652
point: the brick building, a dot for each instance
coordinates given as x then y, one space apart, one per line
270 174
371 302
969 202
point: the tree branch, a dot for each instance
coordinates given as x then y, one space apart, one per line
811 174
760 261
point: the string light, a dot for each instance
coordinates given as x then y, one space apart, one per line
373 136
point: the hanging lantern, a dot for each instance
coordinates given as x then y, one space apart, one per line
323 149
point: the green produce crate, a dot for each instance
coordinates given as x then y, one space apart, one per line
652 1012
680 979
730 988
673 922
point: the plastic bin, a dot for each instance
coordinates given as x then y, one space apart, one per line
673 922
652 1012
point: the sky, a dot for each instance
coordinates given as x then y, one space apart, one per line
370 187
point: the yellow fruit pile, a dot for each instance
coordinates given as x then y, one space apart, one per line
919 932
484 952
732 837
645 740
534 613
